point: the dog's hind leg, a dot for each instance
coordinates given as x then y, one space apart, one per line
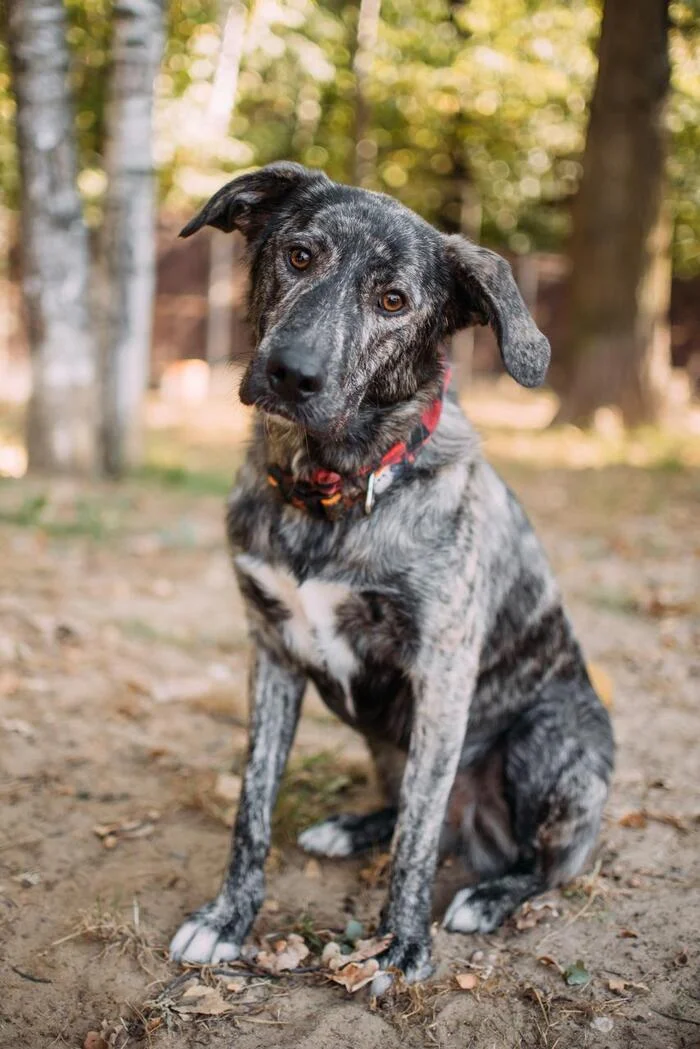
557 762
349 834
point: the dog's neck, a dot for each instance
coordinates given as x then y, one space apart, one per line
297 451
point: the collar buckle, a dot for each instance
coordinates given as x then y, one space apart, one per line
369 497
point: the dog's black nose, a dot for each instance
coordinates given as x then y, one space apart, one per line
293 375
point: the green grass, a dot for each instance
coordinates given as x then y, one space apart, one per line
312 789
34 511
180 478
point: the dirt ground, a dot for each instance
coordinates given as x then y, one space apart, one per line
122 732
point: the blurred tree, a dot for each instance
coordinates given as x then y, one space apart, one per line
127 236
365 45
618 339
236 22
460 210
61 428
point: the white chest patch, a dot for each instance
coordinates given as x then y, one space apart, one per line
310 631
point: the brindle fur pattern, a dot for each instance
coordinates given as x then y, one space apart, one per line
433 626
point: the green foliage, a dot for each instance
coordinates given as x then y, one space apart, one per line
8 154
491 94
684 126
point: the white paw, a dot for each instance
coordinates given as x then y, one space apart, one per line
326 839
201 944
467 915
381 983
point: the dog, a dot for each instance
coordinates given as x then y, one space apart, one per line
380 557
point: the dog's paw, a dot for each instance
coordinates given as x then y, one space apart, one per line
411 957
202 939
328 838
470 911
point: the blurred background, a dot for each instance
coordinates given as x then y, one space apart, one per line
563 134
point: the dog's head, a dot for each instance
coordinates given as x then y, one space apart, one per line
352 294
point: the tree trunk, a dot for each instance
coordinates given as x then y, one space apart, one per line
128 240
367 36
618 349
61 425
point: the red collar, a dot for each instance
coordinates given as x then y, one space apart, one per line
327 494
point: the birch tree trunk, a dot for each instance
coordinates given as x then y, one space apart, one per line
367 36
618 349
61 425
128 234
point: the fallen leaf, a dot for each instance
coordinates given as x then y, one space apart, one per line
619 985
546 959
236 986
660 603
110 833
312 869
467 981
287 955
228 786
602 683
356 975
19 727
576 975
639 819
363 949
669 818
634 820
532 913
28 879
94 1040
628 934
376 872
200 1000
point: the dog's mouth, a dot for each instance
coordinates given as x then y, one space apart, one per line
302 415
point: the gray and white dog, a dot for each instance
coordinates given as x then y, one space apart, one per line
380 557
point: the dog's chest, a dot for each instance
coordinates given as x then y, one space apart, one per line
305 617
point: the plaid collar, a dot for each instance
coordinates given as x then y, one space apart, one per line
328 495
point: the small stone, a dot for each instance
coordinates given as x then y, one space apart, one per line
603 1024
94 1040
354 931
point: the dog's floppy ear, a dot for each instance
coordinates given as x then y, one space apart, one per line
484 292
248 202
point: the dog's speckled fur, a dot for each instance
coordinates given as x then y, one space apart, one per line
433 626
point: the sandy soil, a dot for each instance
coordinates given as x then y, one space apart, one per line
122 703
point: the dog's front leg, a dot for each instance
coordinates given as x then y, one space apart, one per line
216 932
443 684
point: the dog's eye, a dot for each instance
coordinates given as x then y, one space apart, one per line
392 301
299 258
